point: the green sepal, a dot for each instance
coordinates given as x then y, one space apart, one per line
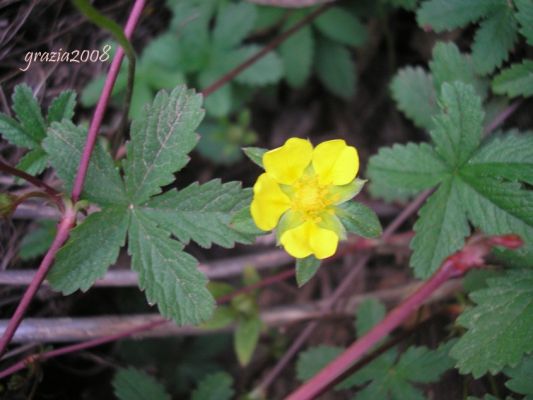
306 268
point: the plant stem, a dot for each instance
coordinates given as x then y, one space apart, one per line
270 46
68 220
101 106
456 265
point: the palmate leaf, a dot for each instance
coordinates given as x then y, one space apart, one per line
132 384
201 213
160 142
500 326
234 22
167 274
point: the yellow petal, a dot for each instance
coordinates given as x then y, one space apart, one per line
335 163
296 241
323 242
269 203
287 163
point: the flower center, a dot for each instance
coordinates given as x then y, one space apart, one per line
309 196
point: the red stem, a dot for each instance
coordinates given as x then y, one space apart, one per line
455 265
102 103
69 217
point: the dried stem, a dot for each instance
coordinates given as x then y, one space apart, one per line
471 256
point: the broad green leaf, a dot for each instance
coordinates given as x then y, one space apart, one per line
369 313
312 360
458 128
441 15
64 145
359 219
234 22
219 103
440 229
34 161
508 155
132 384
15 133
246 337
408 168
500 326
202 213
267 70
449 65
499 207
169 276
524 15
160 142
517 80
421 365
243 223
297 53
414 93
341 26
222 317
255 154
267 16
306 268
92 247
62 107
37 240
28 112
162 51
494 40
215 386
520 377
335 68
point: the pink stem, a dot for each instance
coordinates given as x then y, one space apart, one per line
102 103
455 265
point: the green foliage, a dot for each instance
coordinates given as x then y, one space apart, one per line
29 128
369 313
132 384
246 338
335 68
520 377
215 386
477 182
500 326
306 268
255 154
160 141
359 219
37 241
517 80
311 361
524 16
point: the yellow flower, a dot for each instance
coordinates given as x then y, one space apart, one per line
299 192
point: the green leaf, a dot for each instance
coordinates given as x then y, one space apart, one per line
369 313
267 70
524 16
306 268
335 68
500 326
15 134
28 112
520 377
449 65
441 15
222 317
132 384
340 26
38 240
160 142
311 361
297 53
517 80
494 40
234 22
64 145
407 169
202 213
359 219
169 276
215 386
244 223
508 156
255 154
421 365
414 93
34 161
246 337
92 247
62 107
440 229
268 16
219 103
458 128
